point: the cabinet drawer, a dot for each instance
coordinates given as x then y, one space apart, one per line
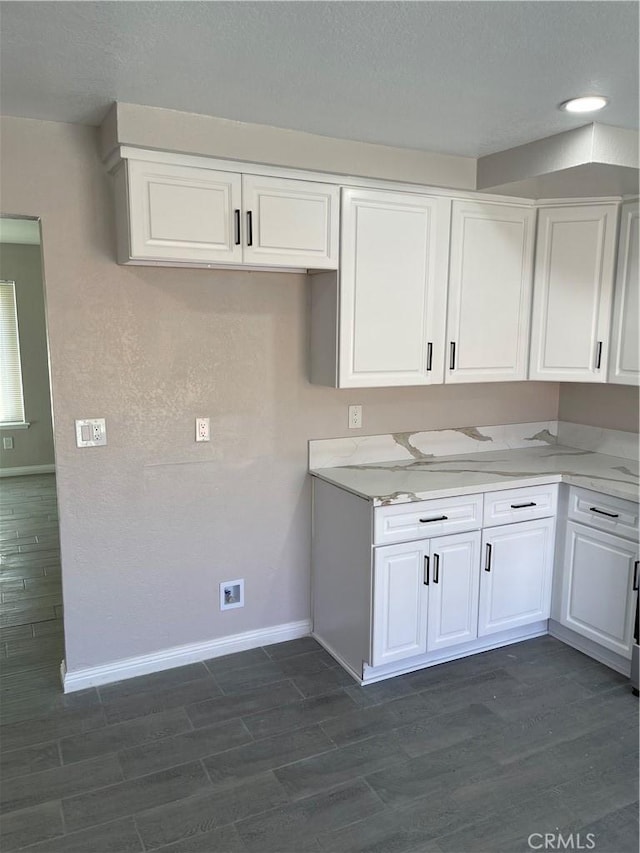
603 512
511 505
423 519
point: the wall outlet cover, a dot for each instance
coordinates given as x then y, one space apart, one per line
355 417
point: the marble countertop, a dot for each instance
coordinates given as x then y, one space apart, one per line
408 480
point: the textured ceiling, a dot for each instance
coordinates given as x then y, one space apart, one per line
466 78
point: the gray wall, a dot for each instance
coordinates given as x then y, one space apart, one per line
151 523
608 406
33 446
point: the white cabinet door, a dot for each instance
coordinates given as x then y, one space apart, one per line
453 590
399 602
182 214
572 292
515 583
290 223
625 350
598 599
392 291
490 278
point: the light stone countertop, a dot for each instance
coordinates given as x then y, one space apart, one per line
408 480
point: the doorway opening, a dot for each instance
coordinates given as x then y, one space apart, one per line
31 617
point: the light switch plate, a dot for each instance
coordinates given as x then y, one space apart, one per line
91 432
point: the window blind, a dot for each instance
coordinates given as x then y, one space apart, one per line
11 395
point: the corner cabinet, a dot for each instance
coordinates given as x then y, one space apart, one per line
490 279
382 322
624 363
174 214
572 293
515 585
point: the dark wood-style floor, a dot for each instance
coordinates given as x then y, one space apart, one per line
276 750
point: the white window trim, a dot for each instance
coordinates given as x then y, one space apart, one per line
22 423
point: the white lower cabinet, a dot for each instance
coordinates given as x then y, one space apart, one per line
515 583
383 609
600 587
453 590
425 596
399 602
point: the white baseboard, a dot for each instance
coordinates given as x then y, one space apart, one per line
118 670
27 469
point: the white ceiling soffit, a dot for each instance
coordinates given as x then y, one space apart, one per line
457 78
593 160
20 231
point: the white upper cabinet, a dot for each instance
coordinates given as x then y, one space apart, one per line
624 364
490 278
572 293
191 214
179 213
392 291
290 223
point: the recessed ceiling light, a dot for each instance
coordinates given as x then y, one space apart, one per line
587 104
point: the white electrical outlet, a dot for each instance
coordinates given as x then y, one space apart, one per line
91 432
7 442
355 417
202 429
232 594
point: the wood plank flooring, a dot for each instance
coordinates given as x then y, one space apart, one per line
276 750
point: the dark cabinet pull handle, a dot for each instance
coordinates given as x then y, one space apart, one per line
602 512
236 214
635 574
523 506
426 570
429 356
249 228
599 355
436 567
452 360
437 518
487 562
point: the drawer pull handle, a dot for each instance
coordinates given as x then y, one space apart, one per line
523 506
599 356
635 574
487 562
236 214
452 359
436 567
429 356
602 512
426 570
249 228
436 518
